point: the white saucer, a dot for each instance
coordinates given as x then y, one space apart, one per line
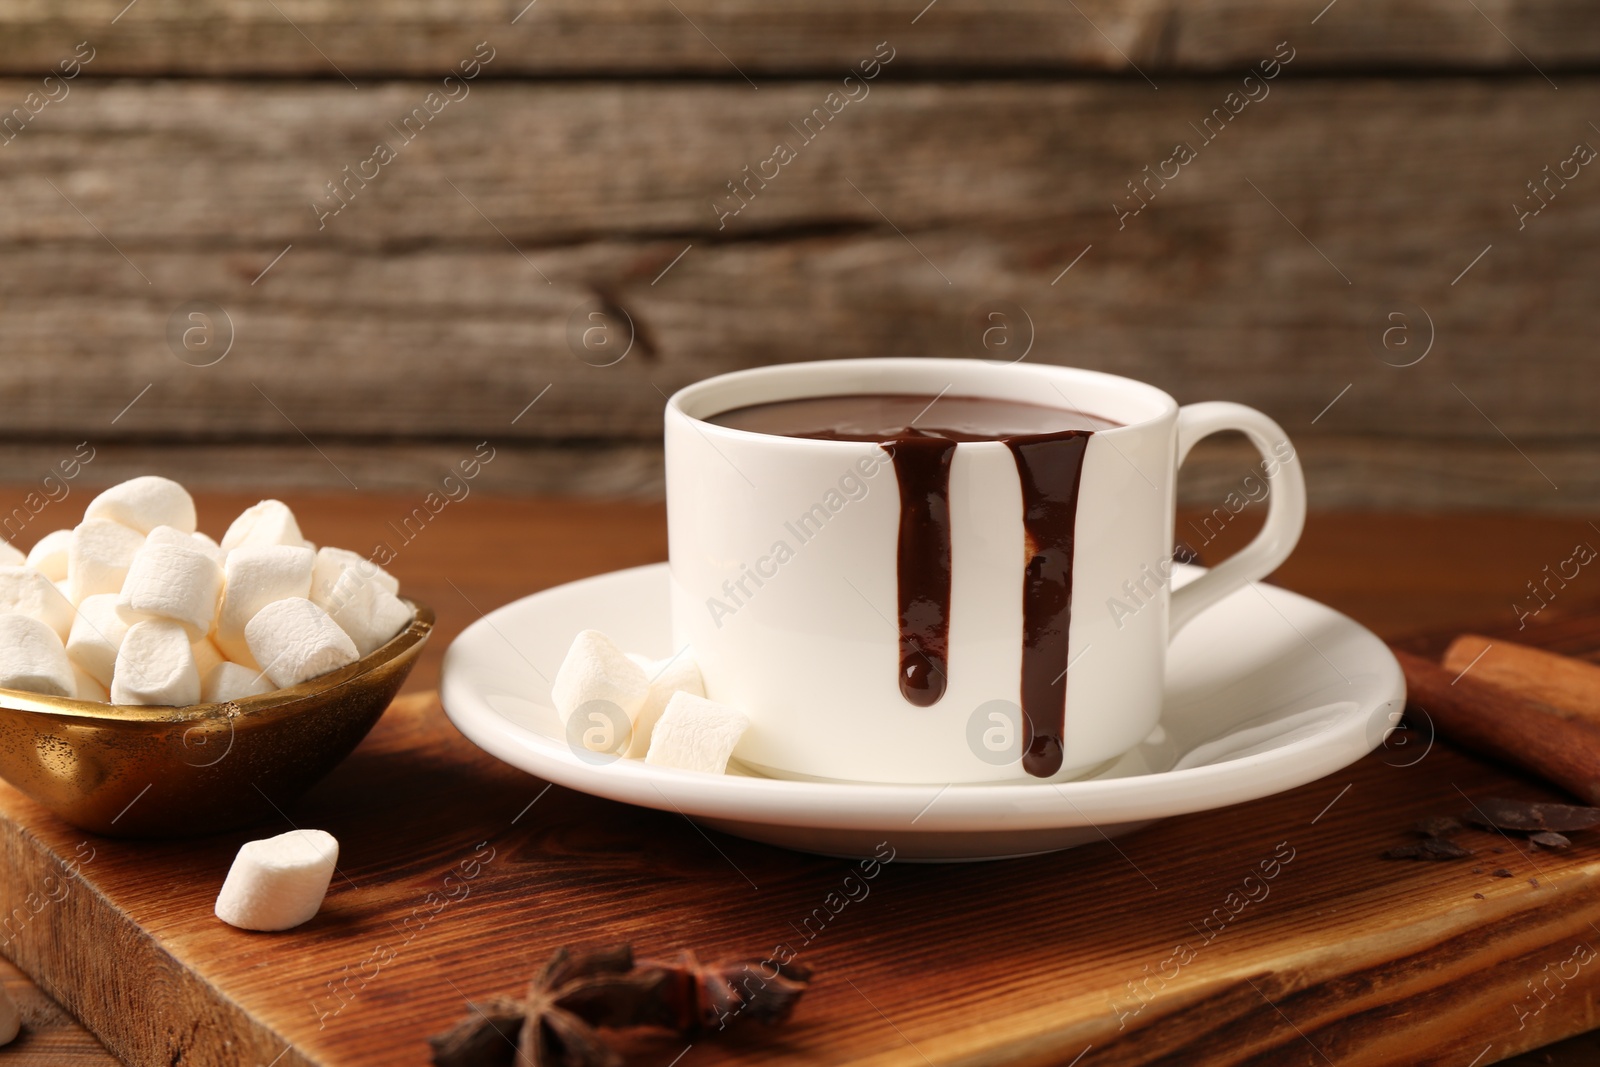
1266 691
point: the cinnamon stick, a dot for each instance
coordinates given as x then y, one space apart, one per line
1505 725
1569 687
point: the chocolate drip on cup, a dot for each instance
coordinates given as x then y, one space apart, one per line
920 434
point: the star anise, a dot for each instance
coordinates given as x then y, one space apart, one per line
705 997
557 1024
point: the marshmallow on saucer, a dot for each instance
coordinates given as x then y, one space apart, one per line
278 883
32 659
98 557
257 576
49 554
96 635
168 581
27 592
365 610
144 503
680 673
267 523
696 734
155 665
596 669
332 562
294 640
11 555
232 681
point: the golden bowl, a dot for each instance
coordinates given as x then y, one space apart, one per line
128 771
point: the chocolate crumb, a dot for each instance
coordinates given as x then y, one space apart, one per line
1438 826
1497 813
1480 896
1550 839
1477 870
1534 882
1503 873
1432 848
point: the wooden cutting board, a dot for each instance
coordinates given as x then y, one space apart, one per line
1265 933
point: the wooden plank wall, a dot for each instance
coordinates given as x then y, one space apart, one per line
1353 245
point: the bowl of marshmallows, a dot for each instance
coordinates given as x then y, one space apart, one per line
155 682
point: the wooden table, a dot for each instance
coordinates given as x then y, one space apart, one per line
1396 573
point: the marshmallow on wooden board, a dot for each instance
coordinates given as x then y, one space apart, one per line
680 673
98 557
278 883
32 659
175 582
257 576
49 554
696 734
86 687
11 555
10 1018
144 503
294 640
365 610
155 665
232 681
27 592
333 562
96 635
596 669
171 535
268 523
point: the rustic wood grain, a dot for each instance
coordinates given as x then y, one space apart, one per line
50 1037
318 38
1391 963
411 301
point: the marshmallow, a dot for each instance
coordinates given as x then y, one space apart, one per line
278 883
696 734
332 562
294 640
98 557
155 665
10 1018
11 555
31 657
678 674
232 681
49 554
365 610
171 535
596 669
144 503
257 576
171 582
96 635
86 687
267 523
206 656
27 592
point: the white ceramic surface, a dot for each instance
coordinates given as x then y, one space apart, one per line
1265 692
783 555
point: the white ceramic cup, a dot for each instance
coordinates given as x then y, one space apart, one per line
784 580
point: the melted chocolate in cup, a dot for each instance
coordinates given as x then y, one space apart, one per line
920 433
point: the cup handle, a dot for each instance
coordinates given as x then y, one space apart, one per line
1286 511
